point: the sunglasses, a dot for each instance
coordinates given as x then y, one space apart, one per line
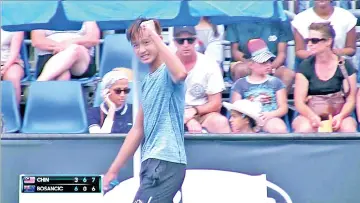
181 41
119 91
314 40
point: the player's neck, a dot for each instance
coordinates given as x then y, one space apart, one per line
156 64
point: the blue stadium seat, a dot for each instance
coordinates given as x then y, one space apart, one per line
55 107
9 107
98 99
117 52
24 57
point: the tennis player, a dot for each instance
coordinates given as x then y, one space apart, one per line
159 123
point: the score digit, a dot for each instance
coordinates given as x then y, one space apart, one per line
93 189
76 179
93 179
84 180
84 188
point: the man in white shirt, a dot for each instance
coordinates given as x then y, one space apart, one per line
204 85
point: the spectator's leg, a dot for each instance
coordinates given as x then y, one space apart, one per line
302 124
238 70
275 125
286 75
64 76
215 123
348 125
72 58
82 64
14 74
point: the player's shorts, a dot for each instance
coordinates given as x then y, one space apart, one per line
159 181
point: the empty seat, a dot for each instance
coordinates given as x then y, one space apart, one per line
55 107
9 107
117 52
98 99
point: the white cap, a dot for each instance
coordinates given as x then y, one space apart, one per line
114 75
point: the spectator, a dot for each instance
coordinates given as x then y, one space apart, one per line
305 4
66 54
322 75
342 20
114 115
12 67
204 85
274 33
209 41
244 115
263 88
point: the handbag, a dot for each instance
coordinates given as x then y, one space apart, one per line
330 104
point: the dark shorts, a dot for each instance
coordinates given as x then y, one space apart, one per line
43 59
159 181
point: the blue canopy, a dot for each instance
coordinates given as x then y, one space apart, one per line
68 15
120 14
229 12
31 15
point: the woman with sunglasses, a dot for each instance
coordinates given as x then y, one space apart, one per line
323 75
113 115
343 21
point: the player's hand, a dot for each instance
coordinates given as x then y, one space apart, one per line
109 176
148 28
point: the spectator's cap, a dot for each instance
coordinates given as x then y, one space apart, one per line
187 29
114 75
247 107
259 51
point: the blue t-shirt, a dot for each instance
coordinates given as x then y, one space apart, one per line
264 92
163 104
122 119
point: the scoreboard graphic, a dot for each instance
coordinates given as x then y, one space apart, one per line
60 188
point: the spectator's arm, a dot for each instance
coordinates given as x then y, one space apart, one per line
281 56
300 46
40 41
213 105
236 54
91 38
350 45
15 48
300 96
107 125
235 96
131 143
349 105
281 99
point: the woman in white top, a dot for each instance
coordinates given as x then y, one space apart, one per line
66 54
343 22
11 64
210 38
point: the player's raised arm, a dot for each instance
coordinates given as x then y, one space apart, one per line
175 66
131 143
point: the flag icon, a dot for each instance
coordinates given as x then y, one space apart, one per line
29 188
30 180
